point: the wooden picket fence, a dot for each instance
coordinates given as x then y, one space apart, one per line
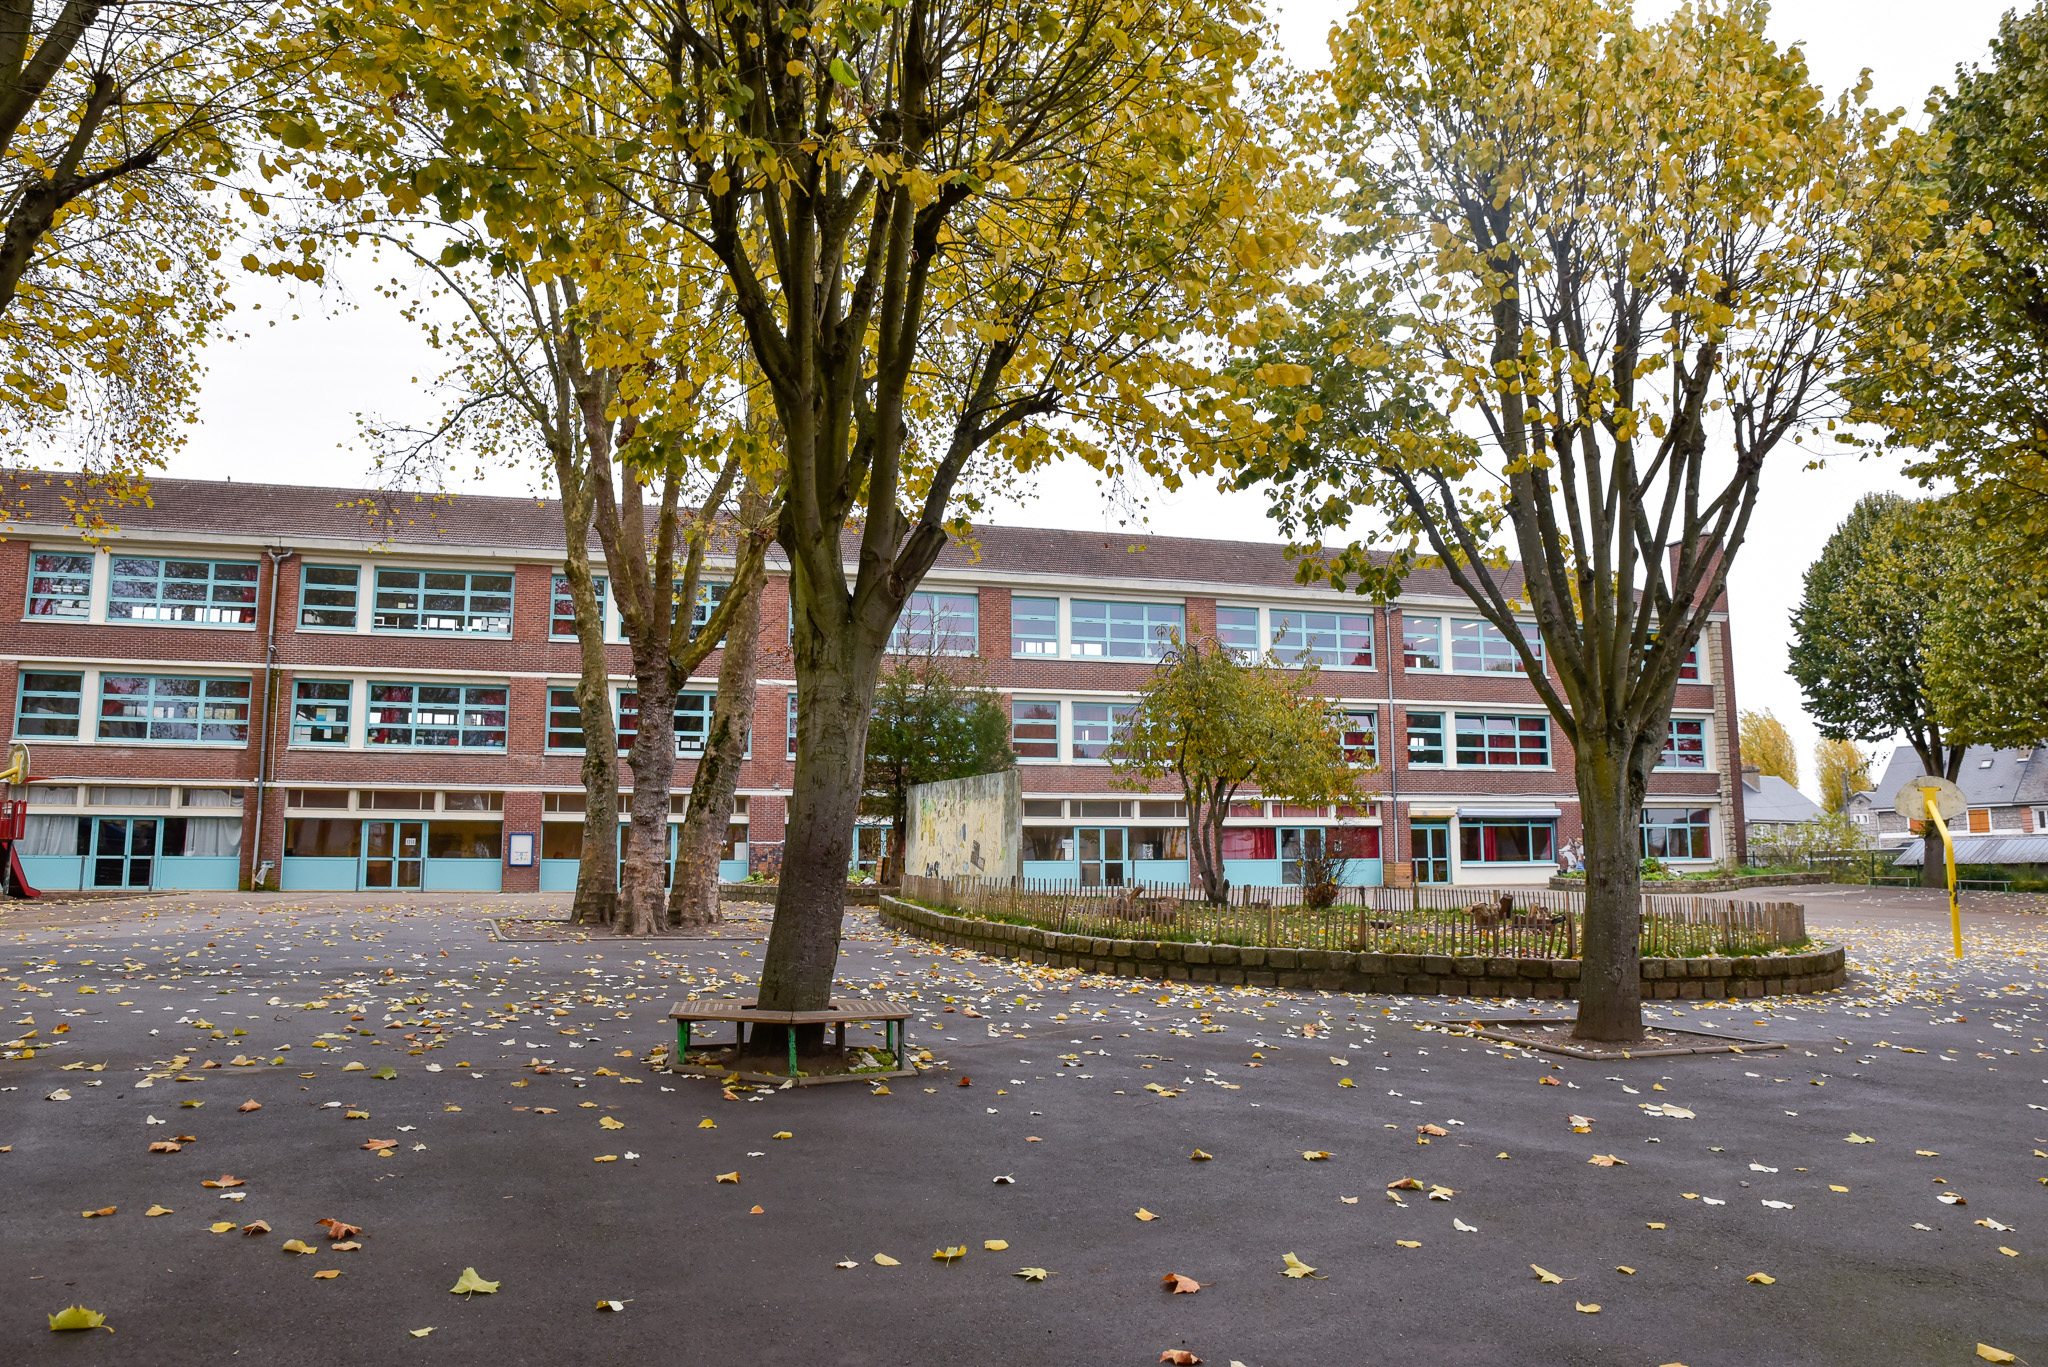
1430 919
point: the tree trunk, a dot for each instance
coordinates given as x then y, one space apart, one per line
643 899
693 900
1610 966
597 874
1205 848
835 690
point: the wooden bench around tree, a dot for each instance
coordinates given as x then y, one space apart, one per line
742 1014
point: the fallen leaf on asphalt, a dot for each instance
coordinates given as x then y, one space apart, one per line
544 1110
1949 1198
949 1254
1926 1153
385 1074
1625 1270
1030 1274
1544 1276
191 1105
606 1122
613 1306
707 1123
1348 1200
1199 1157
158 1210
1441 1193
421 1333
995 1245
250 1106
1315 1155
1761 1279
295 1246
256 1227
1297 1268
1585 1309
327 1276
337 1230
965 1081
223 1181
1855 1138
381 1145
1345 1082
1666 1108
1581 1124
1437 1130
782 1134
346 1246
884 1260
1780 1205
1144 1214
221 1226
1178 1284
1404 1184
1607 1160
1833 1187
1178 1355
355 1115
165 1146
1654 1224
1003 1180
78 1317
613 1158
2008 1252
469 1282
95 1214
1408 1243
1547 1082
1993 1224
1464 1228
1990 1354
731 1177
847 1263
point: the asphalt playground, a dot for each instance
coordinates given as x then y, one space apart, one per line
1717 1210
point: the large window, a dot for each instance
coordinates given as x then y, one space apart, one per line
1124 631
937 623
444 601
1422 642
1035 729
465 839
1250 842
1677 833
1049 844
1159 842
1334 640
710 593
199 592
328 596
48 705
562 607
154 708
565 720
1238 628
320 711
1503 741
1685 744
1506 841
1425 738
1034 626
1480 648
1098 724
60 586
692 721
1362 738
462 716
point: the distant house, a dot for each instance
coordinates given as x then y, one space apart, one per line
2007 792
1771 806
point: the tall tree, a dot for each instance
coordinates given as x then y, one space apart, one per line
1841 770
1768 745
1986 638
933 720
1219 724
1622 259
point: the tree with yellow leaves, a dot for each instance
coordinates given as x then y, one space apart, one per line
1619 263
1768 745
1842 770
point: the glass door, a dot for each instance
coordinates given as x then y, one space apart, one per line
123 851
1431 849
394 854
1102 856
1294 840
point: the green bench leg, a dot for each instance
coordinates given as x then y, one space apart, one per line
682 1045
790 1031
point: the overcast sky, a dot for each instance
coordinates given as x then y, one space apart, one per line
282 406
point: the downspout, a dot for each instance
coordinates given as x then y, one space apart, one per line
277 559
1390 829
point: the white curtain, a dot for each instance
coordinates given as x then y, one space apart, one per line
211 797
213 835
50 835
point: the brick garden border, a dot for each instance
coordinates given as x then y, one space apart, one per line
1683 887
1330 970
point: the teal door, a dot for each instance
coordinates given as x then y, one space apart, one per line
124 851
1430 847
1102 856
394 854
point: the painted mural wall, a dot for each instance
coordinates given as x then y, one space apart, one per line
966 827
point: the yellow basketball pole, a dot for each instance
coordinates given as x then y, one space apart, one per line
1955 912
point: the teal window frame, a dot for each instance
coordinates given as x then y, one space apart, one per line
437 716
1502 740
1035 730
1361 738
1096 726
1425 739
1328 640
1661 824
215 709
1482 840
1480 647
332 603
321 707
1238 629
932 621
60 585
1104 629
565 722
453 598
38 708
562 607
693 711
170 590
1034 626
1422 643
1685 744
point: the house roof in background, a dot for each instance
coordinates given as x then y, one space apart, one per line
1989 777
1773 800
1985 849
283 512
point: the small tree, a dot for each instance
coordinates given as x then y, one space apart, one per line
1768 745
1219 724
1841 769
933 720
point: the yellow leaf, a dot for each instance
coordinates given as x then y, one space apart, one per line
221 1226
1408 1243
1315 1155
95 1214
782 1134
157 1210
1833 1187
995 1245
1030 1274
1144 1214
469 1282
421 1333
1926 1153
1297 1268
1345 1082
78 1317
947 1255
327 1276
2008 1252
1348 1200
1199 1157
1761 1279
1607 1160
295 1246
1984 1350
606 1122
884 1260
613 1158
1855 1138
1654 1224
732 1177
1548 1278
707 1123
1585 1309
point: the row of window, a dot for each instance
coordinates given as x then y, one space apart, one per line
1093 727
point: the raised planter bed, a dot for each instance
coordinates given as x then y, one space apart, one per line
1819 970
1680 887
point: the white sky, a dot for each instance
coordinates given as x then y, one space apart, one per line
282 406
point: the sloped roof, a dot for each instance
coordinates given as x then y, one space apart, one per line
1985 849
286 511
1989 777
1772 799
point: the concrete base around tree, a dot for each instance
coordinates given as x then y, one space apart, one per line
1428 975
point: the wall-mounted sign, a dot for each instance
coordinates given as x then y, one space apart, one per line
519 850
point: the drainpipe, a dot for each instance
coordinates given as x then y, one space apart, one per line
277 559
1390 829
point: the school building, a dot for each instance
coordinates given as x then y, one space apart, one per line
330 689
